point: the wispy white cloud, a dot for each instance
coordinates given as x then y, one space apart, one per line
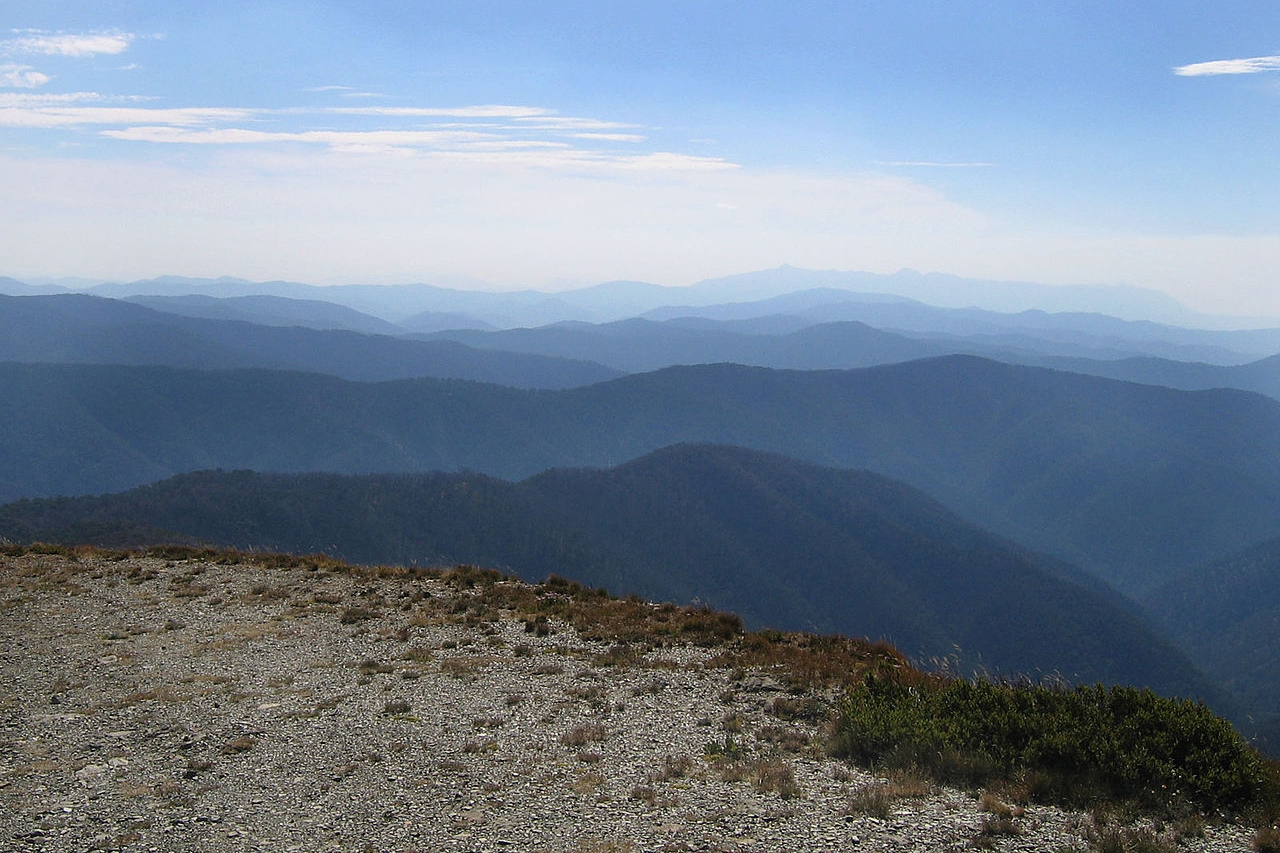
455 144
483 111
666 161
550 121
336 139
1254 65
21 77
77 45
37 100
609 137
51 116
345 91
931 164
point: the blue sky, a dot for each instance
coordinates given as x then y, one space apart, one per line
555 143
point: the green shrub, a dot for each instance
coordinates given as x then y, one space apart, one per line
1080 745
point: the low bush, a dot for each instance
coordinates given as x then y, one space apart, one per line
1081 745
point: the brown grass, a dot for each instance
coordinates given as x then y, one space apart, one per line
584 734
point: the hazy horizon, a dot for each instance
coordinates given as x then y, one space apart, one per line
571 143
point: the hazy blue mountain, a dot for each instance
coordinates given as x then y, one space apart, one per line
620 300
1129 481
428 322
1262 376
787 342
638 345
1089 335
13 287
396 303
271 311
89 329
784 544
952 291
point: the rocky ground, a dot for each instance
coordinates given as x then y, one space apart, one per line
153 704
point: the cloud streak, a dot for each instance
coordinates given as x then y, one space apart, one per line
21 77
509 133
932 164
55 115
1253 65
76 45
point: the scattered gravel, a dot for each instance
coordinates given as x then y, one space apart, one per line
153 705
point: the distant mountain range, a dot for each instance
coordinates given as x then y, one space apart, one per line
79 329
482 307
1129 481
784 544
327 338
1144 452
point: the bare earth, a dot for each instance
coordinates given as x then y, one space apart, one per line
190 705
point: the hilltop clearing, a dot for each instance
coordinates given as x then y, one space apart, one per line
205 701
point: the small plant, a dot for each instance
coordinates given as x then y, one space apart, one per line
355 615
586 783
872 800
731 723
997 826
1129 840
644 794
196 766
581 735
726 748
788 740
993 805
539 626
776 776
237 745
621 655
1267 840
396 707
809 709
675 767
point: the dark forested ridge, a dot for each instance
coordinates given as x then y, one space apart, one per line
1128 481
80 329
783 543
1226 615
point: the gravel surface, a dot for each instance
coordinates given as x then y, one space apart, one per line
154 705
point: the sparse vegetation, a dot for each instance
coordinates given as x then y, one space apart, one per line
777 777
584 734
1267 840
1024 742
874 800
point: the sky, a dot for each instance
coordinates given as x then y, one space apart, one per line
558 144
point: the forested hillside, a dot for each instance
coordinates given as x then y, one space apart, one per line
784 544
1128 481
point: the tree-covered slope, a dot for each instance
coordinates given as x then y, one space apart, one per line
1226 616
785 544
1128 481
